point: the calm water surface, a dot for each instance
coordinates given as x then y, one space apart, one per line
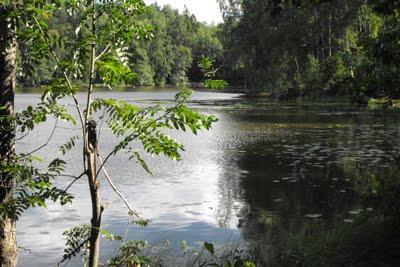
262 165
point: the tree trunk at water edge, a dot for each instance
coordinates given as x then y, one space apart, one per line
96 212
94 186
8 52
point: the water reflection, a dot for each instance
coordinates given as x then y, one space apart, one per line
262 166
296 167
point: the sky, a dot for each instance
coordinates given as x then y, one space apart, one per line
204 10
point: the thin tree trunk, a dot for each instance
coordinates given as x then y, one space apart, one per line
91 152
94 186
8 52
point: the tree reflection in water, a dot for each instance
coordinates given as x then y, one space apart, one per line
290 168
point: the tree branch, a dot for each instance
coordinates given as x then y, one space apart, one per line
139 134
76 250
76 179
46 143
132 211
69 84
103 52
92 74
21 137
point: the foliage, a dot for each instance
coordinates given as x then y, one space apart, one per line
139 253
68 145
131 254
167 51
234 258
209 73
112 71
216 84
101 32
379 103
77 240
130 122
315 48
34 183
206 67
299 48
33 186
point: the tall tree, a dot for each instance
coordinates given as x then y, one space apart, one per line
8 53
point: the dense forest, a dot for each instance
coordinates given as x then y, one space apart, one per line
169 55
296 48
283 49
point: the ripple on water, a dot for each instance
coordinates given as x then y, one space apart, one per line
185 201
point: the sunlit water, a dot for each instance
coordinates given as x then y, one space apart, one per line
261 165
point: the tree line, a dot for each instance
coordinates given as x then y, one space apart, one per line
281 48
171 56
291 48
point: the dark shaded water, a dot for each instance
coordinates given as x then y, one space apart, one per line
262 165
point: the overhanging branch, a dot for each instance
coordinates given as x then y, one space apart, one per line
132 211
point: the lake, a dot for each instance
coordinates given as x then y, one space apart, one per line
263 165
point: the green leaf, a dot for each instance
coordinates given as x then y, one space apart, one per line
184 246
209 247
68 145
141 162
109 236
77 238
113 71
142 223
249 264
36 158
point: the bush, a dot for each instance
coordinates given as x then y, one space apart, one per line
216 84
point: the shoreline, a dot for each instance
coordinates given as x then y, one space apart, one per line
373 103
